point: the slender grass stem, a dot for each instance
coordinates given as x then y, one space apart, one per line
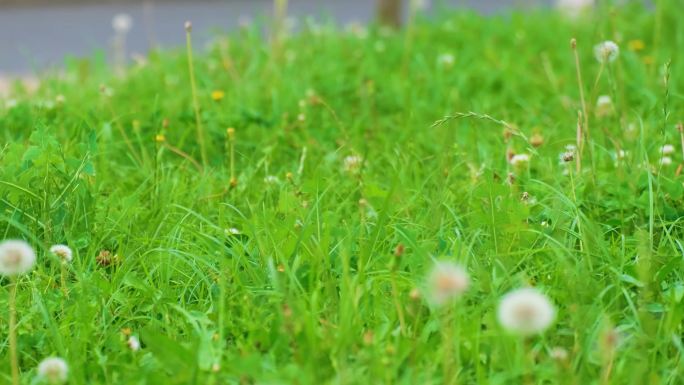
14 358
195 100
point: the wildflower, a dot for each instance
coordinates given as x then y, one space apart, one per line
301 117
446 60
667 149
16 257
133 343
352 163
447 281
606 52
54 370
60 99
271 179
519 160
217 95
160 138
665 161
574 7
604 105
105 258
558 353
636 45
122 23
525 311
63 252
232 231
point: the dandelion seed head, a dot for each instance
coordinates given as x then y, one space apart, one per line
446 60
665 161
606 52
133 343
122 23
54 370
16 257
667 149
447 281
520 160
525 311
63 252
558 353
352 163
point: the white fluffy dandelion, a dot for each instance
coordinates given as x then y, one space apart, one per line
447 281
16 257
63 252
352 163
667 149
665 161
54 370
122 23
525 311
606 52
446 60
520 160
133 343
604 105
574 7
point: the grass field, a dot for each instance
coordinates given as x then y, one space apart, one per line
296 247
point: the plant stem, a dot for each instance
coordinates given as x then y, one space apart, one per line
195 101
13 330
580 86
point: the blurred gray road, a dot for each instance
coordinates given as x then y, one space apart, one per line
38 38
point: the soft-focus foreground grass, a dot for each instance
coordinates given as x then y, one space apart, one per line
289 277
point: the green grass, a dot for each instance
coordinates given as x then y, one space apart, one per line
308 291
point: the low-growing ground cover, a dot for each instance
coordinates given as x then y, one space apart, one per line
283 226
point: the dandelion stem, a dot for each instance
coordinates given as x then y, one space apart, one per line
578 158
195 101
231 149
580 86
63 276
13 330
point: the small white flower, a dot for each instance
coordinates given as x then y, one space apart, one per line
447 281
574 7
622 154
665 161
352 163
558 353
525 311
16 257
232 231
133 343
667 149
606 52
271 179
122 23
604 105
54 370
63 252
520 160
446 60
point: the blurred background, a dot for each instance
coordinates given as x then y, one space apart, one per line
36 35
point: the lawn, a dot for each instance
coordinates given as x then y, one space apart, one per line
350 206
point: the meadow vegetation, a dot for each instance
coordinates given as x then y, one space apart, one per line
350 206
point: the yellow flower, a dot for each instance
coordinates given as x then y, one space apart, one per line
636 45
160 138
217 95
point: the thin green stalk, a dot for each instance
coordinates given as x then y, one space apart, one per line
14 359
195 100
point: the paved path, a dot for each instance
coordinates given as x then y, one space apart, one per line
39 38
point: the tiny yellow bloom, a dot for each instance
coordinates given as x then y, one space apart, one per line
231 132
217 95
160 138
636 45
